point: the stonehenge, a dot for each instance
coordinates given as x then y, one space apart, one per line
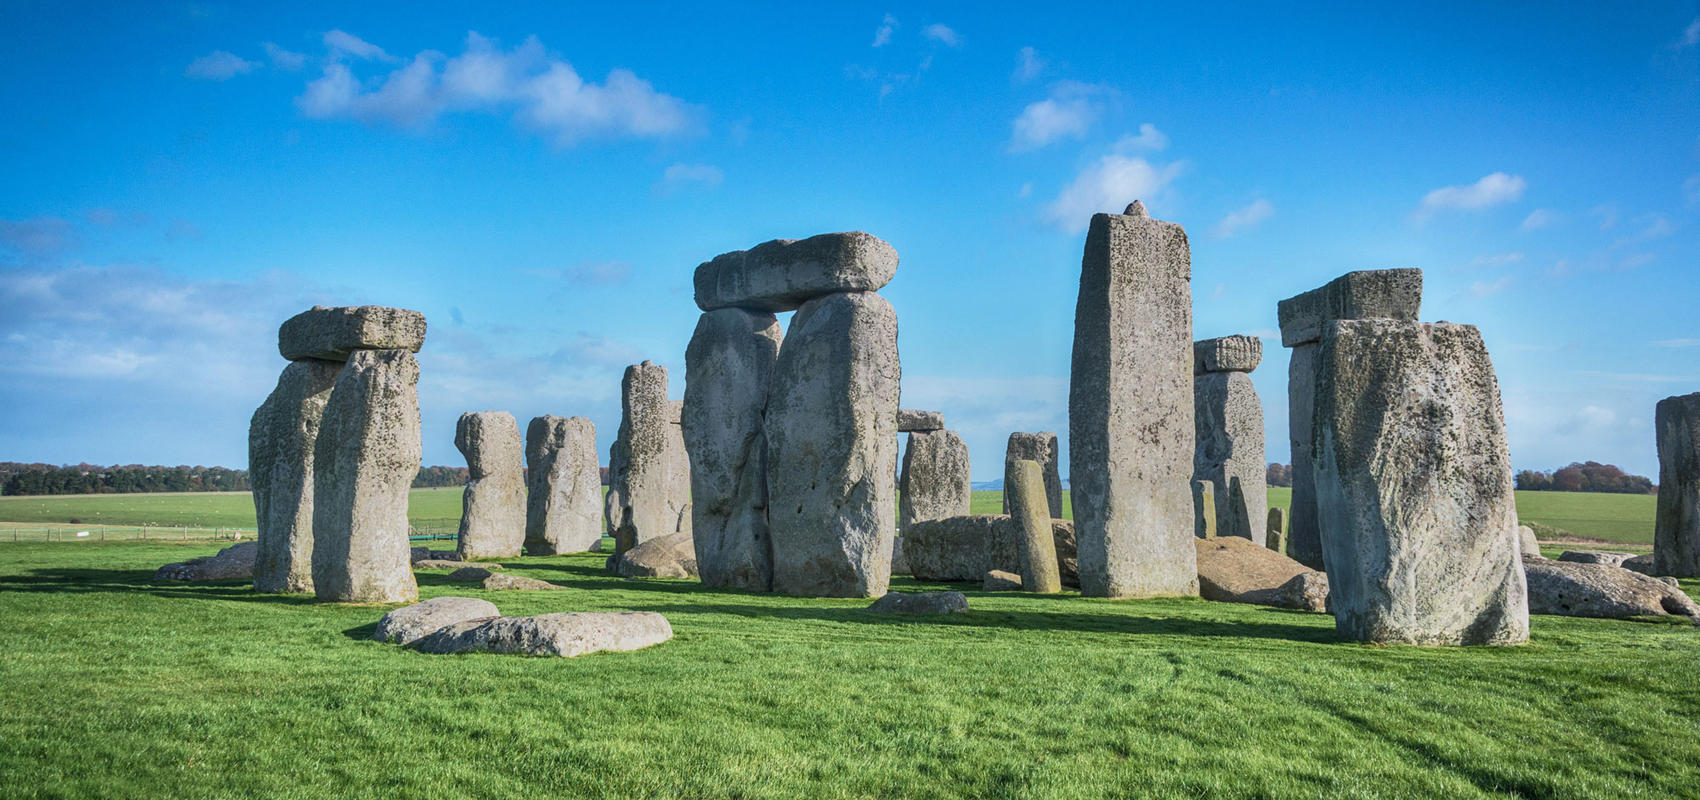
1040 447
492 522
1228 426
1276 533
795 436
911 420
649 474
281 440
1413 486
1676 529
1039 571
1366 294
563 509
1131 409
935 482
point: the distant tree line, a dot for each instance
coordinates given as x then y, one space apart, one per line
1279 475
1588 476
35 479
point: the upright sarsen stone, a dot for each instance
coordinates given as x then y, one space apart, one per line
728 367
1676 530
563 510
1040 447
1365 294
935 481
1039 571
1413 487
1130 409
492 521
649 473
832 448
1229 450
281 441
364 464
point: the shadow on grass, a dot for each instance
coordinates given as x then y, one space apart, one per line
139 580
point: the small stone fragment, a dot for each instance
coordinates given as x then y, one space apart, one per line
921 603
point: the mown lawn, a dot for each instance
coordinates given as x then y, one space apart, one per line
114 687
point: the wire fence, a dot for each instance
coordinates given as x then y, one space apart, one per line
418 530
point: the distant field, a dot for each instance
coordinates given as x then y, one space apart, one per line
1613 517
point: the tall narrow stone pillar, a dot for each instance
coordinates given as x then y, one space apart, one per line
1131 409
1228 423
1676 529
649 476
281 439
1039 571
1042 448
563 510
492 520
1366 294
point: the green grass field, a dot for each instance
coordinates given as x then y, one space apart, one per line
111 686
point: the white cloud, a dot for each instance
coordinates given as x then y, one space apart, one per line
942 34
285 59
38 236
1068 112
882 35
1690 35
219 65
684 176
1589 418
1109 185
1148 138
1677 343
1028 65
1484 289
1537 219
1491 190
545 94
342 44
1656 226
1236 221
1496 260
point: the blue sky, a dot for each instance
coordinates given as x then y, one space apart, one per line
542 180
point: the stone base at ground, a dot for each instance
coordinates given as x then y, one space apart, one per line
231 563
447 563
672 556
1575 589
410 623
966 548
565 634
1236 570
921 603
518 583
474 574
1000 581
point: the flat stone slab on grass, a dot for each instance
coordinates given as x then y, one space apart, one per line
1607 558
1236 570
922 603
332 334
474 572
567 634
446 563
231 563
518 583
1574 589
408 624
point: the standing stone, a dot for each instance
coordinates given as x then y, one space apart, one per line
1413 487
935 481
563 509
1275 533
649 476
281 440
1228 425
363 466
1204 509
783 274
1676 530
492 521
728 367
1038 547
1130 409
1366 294
1040 447
832 448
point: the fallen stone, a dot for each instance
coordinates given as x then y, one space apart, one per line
999 581
1226 354
1644 564
1236 570
1130 410
1595 557
1308 591
563 512
832 448
518 583
1676 525
333 334
363 467
921 603
1414 489
443 555
1040 447
965 548
934 482
281 441
672 556
475 574
649 473
564 634
1228 429
1526 542
1579 589
910 420
232 563
492 522
409 624
418 554
783 274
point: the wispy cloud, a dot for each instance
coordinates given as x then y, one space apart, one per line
219 65
1484 289
1677 343
1028 65
1492 190
1068 113
1653 226
942 34
37 237
1109 185
1537 219
342 44
1690 35
1240 219
882 34
679 177
285 59
1148 138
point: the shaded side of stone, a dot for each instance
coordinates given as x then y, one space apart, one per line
1676 526
1040 447
935 479
1228 425
281 442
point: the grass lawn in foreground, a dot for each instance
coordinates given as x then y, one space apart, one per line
114 687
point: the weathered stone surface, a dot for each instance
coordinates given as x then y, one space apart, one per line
728 368
921 603
935 480
1393 294
333 334
1204 509
899 562
518 583
1037 542
1130 410
910 420
492 522
411 623
1414 489
1579 589
999 581
1236 570
418 554
965 548
1040 447
1595 557
363 466
832 448
1527 544
563 509
1275 532
649 473
1228 426
783 274
1367 294
564 634
475 574
1226 354
1645 564
445 563
1676 527
439 555
662 557
281 440
231 563
676 411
